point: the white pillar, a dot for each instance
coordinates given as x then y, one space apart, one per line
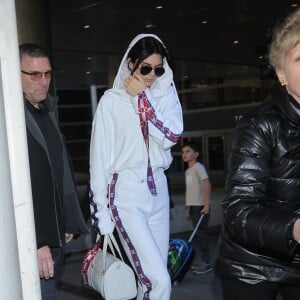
18 264
94 97
94 100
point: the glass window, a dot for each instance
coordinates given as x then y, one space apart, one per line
216 153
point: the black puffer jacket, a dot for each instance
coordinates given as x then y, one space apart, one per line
262 198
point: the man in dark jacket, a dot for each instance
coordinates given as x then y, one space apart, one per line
56 207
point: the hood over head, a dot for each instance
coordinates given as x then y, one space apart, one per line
160 85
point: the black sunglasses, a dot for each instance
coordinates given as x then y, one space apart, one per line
36 76
158 71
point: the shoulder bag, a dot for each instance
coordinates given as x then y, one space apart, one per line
106 273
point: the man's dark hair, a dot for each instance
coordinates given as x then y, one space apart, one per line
32 50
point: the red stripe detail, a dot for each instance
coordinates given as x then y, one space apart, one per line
159 124
143 107
87 260
143 279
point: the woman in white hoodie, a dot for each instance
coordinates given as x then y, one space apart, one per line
135 125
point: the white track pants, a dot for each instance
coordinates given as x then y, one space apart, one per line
143 227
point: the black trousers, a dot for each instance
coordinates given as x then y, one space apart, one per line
200 239
237 290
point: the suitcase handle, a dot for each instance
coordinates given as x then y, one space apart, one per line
196 228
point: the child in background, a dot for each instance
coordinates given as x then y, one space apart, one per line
198 189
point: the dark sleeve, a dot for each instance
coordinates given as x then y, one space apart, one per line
248 217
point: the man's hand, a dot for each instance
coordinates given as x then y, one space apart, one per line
45 262
68 237
134 84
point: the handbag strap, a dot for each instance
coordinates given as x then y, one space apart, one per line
87 261
113 243
109 240
143 107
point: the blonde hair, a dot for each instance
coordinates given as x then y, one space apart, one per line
285 37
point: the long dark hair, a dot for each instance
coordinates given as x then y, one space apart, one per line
144 48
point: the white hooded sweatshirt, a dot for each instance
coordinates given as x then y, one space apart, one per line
117 142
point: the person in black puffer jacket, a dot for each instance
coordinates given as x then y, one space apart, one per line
259 257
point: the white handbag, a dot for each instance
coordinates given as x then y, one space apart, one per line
107 274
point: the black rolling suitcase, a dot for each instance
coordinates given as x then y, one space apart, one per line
181 254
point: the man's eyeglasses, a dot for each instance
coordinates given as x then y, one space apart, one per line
36 76
158 71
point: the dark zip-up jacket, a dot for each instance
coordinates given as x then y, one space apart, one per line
56 205
262 198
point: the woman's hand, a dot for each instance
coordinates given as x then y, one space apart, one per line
296 231
134 84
